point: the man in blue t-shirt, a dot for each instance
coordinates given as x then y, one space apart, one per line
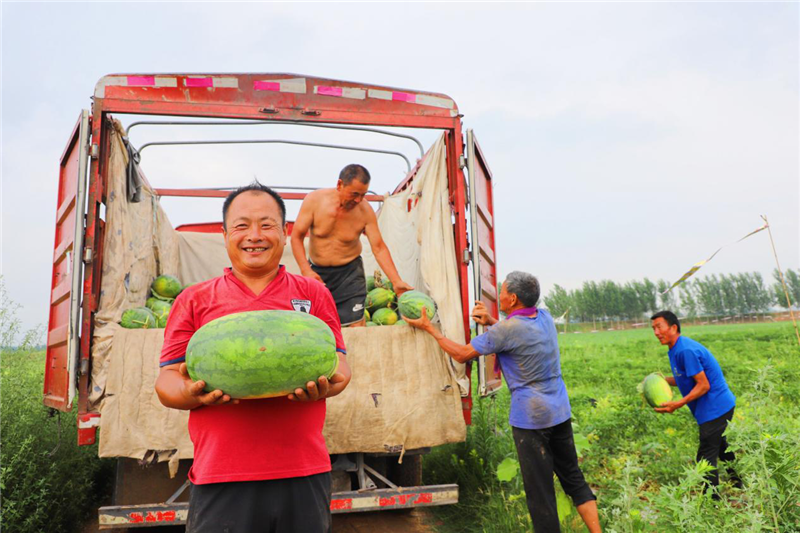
526 345
699 377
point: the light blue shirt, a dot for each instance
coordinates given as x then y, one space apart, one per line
527 349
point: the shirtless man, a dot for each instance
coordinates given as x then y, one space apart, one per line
337 218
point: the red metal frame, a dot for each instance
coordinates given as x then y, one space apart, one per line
182 98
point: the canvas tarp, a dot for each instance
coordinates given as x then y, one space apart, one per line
405 391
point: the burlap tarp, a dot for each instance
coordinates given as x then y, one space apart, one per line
405 392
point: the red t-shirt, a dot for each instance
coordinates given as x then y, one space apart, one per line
253 440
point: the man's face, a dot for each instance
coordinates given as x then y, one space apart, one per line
506 300
352 194
663 331
255 236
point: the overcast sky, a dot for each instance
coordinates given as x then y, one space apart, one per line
626 139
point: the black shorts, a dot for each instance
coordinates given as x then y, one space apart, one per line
292 505
348 287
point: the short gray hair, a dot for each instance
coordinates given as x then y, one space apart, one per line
525 286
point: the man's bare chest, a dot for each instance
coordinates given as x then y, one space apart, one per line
334 223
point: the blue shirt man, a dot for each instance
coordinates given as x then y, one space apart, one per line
699 377
527 348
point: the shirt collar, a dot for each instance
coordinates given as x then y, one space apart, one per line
526 311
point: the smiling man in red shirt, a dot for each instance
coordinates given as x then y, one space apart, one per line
259 465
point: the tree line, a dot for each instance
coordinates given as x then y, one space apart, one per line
745 293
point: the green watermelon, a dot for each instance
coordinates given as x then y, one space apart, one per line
370 283
386 284
366 315
379 298
656 390
166 286
401 323
384 317
155 296
160 309
370 324
411 303
138 318
261 354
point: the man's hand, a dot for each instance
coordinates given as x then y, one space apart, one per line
481 315
420 323
313 275
401 286
324 387
668 407
193 390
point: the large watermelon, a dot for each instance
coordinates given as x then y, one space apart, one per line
656 390
379 298
411 303
385 317
166 286
138 318
261 354
370 283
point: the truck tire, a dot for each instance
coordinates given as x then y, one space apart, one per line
407 474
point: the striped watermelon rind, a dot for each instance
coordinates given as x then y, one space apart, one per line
379 298
656 390
385 317
262 354
410 305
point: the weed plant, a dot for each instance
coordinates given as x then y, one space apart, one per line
48 483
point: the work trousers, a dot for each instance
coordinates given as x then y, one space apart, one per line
713 446
293 505
543 452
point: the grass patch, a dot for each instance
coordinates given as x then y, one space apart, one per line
640 463
48 482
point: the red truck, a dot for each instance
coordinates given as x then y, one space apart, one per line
144 495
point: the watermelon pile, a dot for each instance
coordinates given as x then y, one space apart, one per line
655 390
261 354
154 314
383 308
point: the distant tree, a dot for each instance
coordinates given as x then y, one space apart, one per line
558 301
666 299
792 278
631 307
709 296
611 299
592 300
648 296
731 298
688 301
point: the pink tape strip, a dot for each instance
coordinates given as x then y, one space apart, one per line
141 81
404 97
329 91
266 86
199 82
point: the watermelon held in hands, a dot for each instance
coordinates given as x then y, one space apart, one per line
379 298
261 354
410 305
385 317
656 390
166 287
138 318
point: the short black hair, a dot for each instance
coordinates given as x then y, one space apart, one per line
253 187
670 318
525 286
351 172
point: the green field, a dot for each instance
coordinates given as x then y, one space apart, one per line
640 463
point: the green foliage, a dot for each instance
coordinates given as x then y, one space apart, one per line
641 463
48 483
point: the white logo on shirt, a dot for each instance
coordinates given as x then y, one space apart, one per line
304 306
358 307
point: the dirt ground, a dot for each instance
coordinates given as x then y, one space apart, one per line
411 521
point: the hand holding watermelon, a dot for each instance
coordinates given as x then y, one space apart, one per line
177 390
423 322
324 387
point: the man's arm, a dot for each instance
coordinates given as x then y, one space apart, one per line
382 254
460 352
176 390
305 219
701 386
671 381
